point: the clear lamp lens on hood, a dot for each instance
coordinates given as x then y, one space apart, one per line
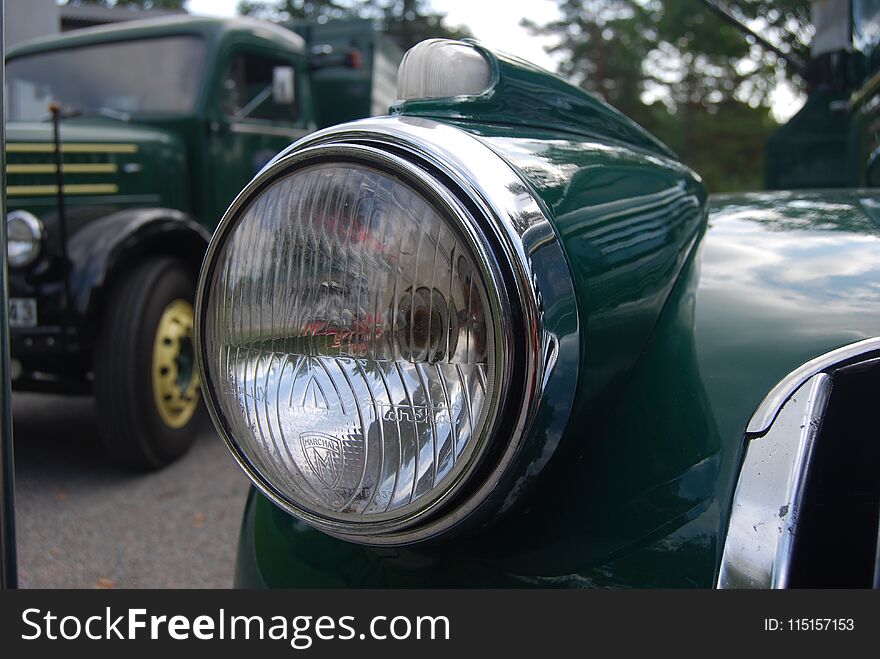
350 343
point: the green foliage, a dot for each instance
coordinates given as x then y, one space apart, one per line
685 74
406 21
602 44
283 11
725 147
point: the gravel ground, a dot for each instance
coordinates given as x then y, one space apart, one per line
83 522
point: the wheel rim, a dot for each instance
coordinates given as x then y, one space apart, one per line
175 378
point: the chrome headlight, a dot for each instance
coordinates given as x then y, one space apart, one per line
24 234
370 339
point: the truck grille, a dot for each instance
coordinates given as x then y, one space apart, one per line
837 532
806 511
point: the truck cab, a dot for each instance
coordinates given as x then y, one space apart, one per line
834 140
154 126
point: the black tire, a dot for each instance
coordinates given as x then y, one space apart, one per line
129 420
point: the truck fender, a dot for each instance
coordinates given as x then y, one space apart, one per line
103 249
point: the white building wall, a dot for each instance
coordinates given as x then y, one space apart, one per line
29 19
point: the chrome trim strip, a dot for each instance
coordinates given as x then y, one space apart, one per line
529 247
769 494
769 408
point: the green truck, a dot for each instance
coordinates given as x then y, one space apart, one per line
112 193
504 337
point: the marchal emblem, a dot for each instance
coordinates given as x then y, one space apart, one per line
324 455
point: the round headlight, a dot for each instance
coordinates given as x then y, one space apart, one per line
24 234
371 333
353 328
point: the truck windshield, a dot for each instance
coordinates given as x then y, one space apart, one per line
142 76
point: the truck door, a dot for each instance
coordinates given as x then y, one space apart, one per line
257 112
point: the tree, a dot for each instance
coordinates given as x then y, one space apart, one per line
601 46
684 73
701 59
406 21
285 11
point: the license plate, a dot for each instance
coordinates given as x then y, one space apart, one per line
22 312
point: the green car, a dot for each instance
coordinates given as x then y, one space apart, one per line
502 337
156 125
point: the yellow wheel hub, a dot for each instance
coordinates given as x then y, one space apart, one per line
175 378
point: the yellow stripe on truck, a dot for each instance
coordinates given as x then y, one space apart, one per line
70 147
68 168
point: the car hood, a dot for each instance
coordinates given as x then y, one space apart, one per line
784 277
775 280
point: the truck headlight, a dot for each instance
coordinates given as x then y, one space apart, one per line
24 234
366 355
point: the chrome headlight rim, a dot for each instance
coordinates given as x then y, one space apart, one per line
387 528
526 244
37 232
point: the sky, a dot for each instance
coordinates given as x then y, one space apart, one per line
496 23
490 21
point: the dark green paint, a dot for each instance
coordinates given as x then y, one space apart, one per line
819 131
523 95
637 494
342 91
627 220
161 179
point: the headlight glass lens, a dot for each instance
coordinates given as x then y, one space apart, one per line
24 234
350 343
